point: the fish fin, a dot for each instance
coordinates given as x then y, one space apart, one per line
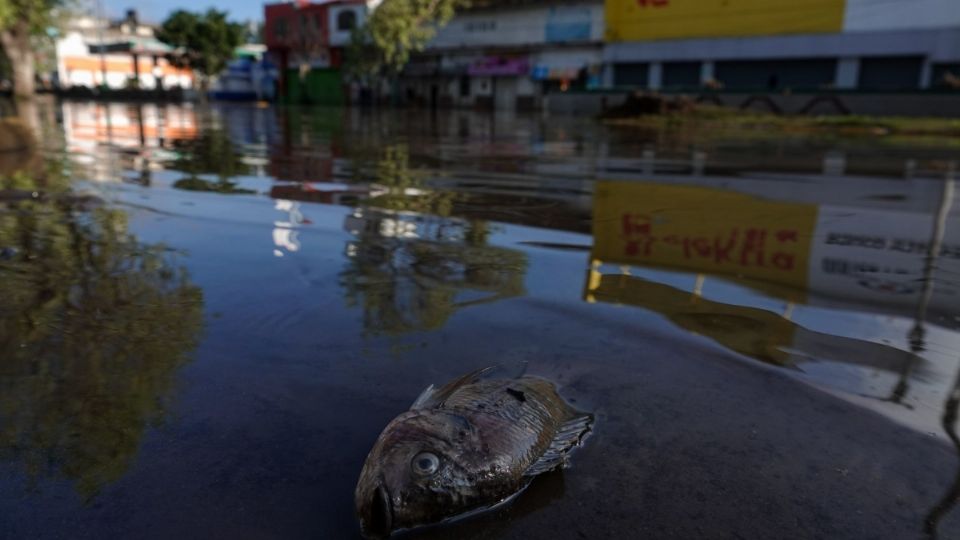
432 396
424 397
569 436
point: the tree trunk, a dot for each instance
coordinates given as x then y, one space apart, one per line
16 43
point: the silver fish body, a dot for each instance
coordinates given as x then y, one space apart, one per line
466 446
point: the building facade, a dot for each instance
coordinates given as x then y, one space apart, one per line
117 55
509 55
803 45
306 41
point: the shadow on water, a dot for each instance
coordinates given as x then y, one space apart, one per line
94 326
545 490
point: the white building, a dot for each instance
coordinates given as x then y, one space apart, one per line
96 52
800 45
509 55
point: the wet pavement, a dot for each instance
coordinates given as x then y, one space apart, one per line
208 315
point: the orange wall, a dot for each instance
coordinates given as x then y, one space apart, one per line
79 63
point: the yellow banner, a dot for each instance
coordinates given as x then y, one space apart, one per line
636 20
703 230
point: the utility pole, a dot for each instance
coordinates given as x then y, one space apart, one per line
103 52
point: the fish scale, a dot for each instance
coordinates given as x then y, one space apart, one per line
513 421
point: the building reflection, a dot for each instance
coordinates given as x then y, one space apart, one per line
285 234
779 270
94 327
765 335
881 254
132 141
110 141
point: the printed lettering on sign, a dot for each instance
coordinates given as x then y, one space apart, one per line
745 248
703 230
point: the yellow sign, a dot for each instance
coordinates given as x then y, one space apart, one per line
637 20
703 230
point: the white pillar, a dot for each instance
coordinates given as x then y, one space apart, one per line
606 80
706 71
655 76
834 163
926 74
848 73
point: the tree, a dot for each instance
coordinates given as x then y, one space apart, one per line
412 266
94 326
212 153
21 23
206 41
393 31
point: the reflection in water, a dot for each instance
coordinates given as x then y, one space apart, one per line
404 187
880 254
93 328
820 256
757 333
212 153
411 266
410 272
952 405
950 499
107 141
548 489
862 258
285 237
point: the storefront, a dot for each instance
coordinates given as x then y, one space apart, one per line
566 70
502 83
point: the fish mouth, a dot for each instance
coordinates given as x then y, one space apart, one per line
381 515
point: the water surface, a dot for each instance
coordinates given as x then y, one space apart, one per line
209 314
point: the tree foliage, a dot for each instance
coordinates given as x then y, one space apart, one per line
212 153
35 15
94 325
412 266
21 23
395 30
206 41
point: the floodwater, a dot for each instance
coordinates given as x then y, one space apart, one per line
208 315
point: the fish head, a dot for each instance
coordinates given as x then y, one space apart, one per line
413 475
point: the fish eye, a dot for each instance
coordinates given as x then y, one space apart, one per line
425 463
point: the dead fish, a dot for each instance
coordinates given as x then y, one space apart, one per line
465 447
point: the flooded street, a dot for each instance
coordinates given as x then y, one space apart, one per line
207 316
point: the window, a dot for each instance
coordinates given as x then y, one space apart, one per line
776 75
681 74
280 28
346 20
890 73
631 74
464 86
481 26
